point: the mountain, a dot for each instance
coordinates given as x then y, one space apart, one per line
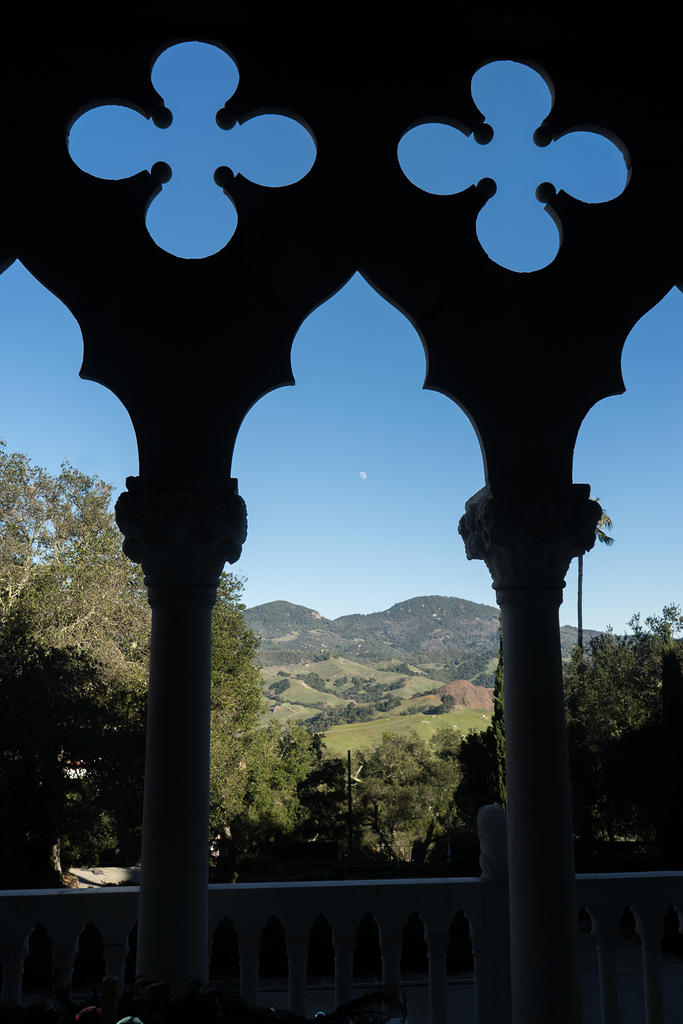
285 627
457 638
357 677
422 629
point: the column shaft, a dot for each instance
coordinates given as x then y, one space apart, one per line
343 968
528 536
650 937
63 956
437 945
297 957
391 944
181 532
173 916
543 911
607 969
12 961
491 933
115 954
249 964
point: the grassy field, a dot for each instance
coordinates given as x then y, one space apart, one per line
331 670
299 702
358 735
308 700
288 713
299 692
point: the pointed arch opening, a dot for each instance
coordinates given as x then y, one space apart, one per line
38 963
46 409
225 960
89 966
414 958
273 961
320 954
367 956
459 957
627 450
371 465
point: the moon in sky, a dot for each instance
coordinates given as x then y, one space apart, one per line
363 475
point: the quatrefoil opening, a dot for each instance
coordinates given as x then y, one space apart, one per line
186 142
514 227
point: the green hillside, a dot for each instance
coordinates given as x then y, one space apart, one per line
341 738
358 676
387 699
445 637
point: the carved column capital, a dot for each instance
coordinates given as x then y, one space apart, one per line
182 532
528 536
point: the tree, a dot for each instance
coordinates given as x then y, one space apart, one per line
278 765
613 700
74 650
478 775
237 704
71 757
267 782
407 790
482 758
498 726
604 523
668 789
62 567
323 797
74 638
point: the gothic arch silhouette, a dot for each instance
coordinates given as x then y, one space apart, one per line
155 334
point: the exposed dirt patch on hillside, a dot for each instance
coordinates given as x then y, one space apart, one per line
468 694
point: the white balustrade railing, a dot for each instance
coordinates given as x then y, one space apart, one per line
249 907
649 895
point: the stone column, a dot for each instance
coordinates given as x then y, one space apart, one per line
437 947
528 538
115 954
344 944
297 959
391 944
649 928
182 533
249 947
63 957
491 934
12 962
606 940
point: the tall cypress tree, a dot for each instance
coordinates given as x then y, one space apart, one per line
669 783
498 727
482 759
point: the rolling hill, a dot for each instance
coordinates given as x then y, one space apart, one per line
448 633
358 676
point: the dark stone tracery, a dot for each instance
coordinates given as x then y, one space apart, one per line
142 311
189 346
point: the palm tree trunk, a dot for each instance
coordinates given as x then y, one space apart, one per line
580 603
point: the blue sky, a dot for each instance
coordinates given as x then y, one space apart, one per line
356 478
